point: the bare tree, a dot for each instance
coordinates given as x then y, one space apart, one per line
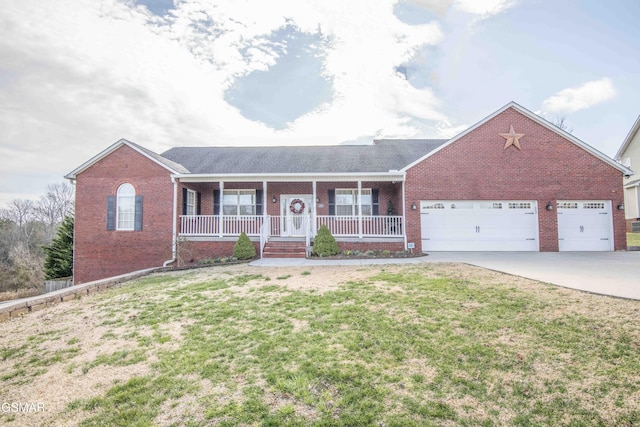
20 215
20 226
25 227
20 212
27 266
561 122
54 206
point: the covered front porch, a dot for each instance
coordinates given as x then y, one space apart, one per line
354 208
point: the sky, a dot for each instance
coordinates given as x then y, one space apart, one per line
78 75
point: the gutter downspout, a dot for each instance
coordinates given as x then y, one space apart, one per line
404 213
73 244
637 202
174 246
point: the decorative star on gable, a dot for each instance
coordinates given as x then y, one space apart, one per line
512 138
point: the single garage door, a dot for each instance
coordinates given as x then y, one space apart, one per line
585 225
488 225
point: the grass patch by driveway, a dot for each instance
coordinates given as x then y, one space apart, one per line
432 344
633 239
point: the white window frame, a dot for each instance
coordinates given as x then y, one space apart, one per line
367 202
192 202
239 208
125 207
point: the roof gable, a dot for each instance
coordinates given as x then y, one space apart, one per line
156 158
627 141
539 120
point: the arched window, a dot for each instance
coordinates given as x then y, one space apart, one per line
126 207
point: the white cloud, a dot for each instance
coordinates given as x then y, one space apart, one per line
571 100
447 130
84 73
364 44
484 8
440 7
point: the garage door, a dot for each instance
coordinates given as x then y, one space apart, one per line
488 225
585 225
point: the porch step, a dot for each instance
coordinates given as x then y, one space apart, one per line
284 249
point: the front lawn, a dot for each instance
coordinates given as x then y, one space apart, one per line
431 344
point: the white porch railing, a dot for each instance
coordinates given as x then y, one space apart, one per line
372 226
199 225
308 236
211 225
252 225
264 234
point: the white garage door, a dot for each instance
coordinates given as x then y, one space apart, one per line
585 225
488 225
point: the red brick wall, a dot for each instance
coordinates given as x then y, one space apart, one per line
373 246
546 169
190 252
100 253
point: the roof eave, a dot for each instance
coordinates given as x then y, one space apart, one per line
625 144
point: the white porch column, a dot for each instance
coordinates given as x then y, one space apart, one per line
404 216
360 209
220 218
314 211
264 203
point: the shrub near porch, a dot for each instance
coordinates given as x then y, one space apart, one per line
324 243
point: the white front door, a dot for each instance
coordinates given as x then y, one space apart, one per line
295 210
585 225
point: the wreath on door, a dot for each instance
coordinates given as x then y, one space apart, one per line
296 207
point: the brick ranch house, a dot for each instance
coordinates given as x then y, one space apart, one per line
511 182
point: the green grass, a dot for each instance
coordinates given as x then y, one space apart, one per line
393 346
633 239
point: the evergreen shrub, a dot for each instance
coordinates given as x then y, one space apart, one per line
244 249
324 243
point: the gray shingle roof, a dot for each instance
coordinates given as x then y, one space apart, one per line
384 155
165 161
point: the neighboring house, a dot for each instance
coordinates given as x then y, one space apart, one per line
629 156
512 182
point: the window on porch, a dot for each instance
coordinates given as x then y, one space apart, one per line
345 202
239 202
191 203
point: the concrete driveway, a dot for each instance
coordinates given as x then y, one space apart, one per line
607 273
